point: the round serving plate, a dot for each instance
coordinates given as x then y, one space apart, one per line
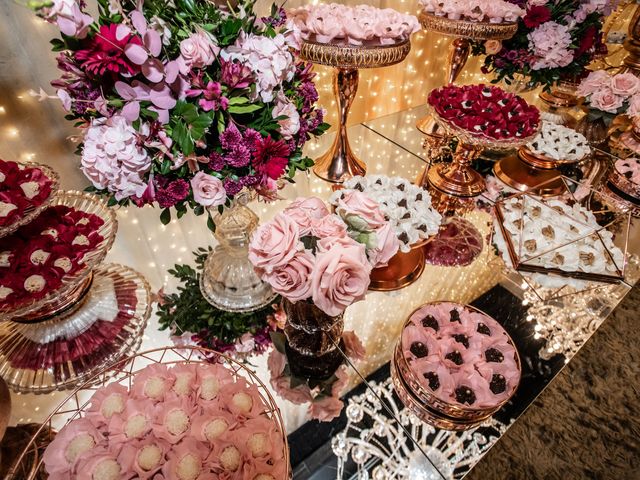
345 56
72 286
124 372
63 352
30 213
466 28
425 404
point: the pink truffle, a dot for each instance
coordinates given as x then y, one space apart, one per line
153 382
74 440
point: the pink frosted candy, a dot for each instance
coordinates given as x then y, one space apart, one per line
173 418
100 465
420 320
500 344
212 424
469 383
145 457
454 355
185 461
510 374
418 343
242 400
75 439
211 379
431 372
465 334
106 402
185 379
134 423
264 440
153 382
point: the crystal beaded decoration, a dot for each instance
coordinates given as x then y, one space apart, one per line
383 447
229 281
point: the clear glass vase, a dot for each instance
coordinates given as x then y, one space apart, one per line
229 281
313 338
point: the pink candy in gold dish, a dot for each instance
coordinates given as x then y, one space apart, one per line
359 25
190 421
461 356
490 11
629 168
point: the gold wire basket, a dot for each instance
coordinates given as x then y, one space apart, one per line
466 28
32 212
75 285
124 372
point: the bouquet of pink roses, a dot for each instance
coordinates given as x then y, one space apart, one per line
609 95
308 254
183 103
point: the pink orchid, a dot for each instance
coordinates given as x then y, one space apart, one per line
213 99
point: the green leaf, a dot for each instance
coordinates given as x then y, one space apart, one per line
244 108
112 202
238 100
165 216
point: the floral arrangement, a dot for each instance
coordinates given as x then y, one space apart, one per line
559 143
323 397
487 11
554 41
194 321
183 105
35 259
307 254
185 422
22 188
362 24
406 207
484 110
609 95
461 356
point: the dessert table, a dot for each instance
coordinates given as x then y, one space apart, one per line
392 146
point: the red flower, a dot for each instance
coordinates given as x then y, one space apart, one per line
270 157
587 41
106 54
536 16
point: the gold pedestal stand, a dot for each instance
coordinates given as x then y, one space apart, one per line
632 45
340 163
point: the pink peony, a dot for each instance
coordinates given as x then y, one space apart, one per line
340 278
386 246
625 84
593 82
326 409
293 280
550 43
197 51
112 158
605 100
208 190
290 125
275 243
354 203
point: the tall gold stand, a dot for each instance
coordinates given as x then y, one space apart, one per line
632 44
340 163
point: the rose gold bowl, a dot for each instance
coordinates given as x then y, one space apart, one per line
402 270
427 406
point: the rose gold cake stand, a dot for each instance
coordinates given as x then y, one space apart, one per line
340 163
527 169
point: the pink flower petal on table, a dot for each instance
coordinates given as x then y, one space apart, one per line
122 31
131 111
136 53
139 22
153 70
153 42
126 92
171 70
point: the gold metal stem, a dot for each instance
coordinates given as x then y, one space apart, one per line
458 55
632 44
340 163
458 178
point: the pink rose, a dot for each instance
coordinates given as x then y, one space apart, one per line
356 203
290 125
594 82
208 190
275 243
342 378
353 346
605 100
293 280
625 84
387 245
634 106
492 46
197 51
329 226
326 409
340 278
304 210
